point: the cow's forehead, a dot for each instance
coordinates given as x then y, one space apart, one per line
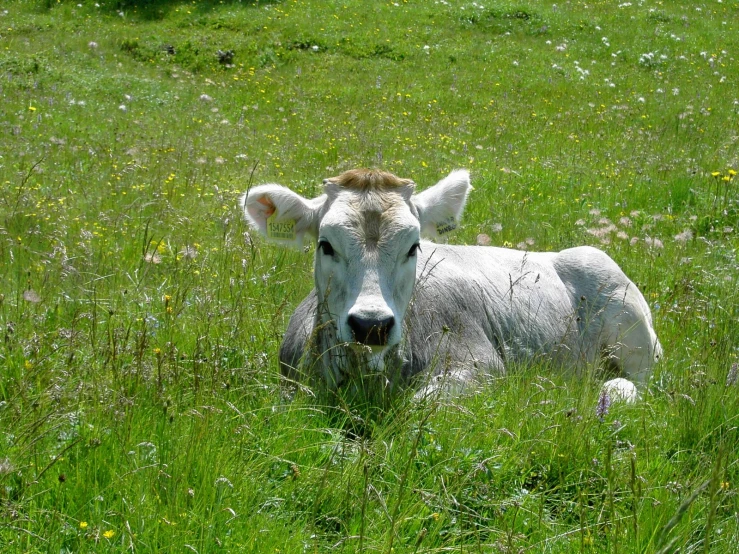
372 205
369 218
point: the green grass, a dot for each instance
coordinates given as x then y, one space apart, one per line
140 404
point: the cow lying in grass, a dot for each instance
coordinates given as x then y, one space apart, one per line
392 307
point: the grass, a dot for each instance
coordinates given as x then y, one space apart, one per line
140 404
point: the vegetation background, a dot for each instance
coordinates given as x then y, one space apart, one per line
140 403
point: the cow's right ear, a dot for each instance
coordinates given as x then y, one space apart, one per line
282 215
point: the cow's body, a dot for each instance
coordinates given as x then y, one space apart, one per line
479 310
389 306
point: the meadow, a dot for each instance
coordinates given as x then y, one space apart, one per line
141 408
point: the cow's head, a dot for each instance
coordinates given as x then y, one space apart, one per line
368 225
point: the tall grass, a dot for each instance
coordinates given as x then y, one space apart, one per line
140 403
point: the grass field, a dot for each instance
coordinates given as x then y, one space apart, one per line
140 403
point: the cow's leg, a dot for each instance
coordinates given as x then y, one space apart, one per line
450 383
465 367
621 389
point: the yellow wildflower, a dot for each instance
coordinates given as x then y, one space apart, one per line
109 534
83 525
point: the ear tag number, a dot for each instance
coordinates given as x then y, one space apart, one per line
280 230
446 226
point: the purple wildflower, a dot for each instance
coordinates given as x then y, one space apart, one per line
604 403
733 377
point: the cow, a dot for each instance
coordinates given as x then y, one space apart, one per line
396 309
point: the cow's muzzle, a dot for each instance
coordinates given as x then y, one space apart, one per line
371 332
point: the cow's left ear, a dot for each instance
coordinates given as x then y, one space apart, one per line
440 207
281 215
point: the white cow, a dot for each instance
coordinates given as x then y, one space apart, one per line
389 305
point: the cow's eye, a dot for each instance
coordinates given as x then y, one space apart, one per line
415 248
326 248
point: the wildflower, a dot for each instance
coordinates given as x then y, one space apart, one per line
92 44
83 525
205 98
189 252
5 467
654 243
224 481
435 516
604 403
109 534
733 377
732 173
32 296
684 237
716 174
602 232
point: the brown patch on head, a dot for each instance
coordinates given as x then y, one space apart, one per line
371 228
365 180
372 200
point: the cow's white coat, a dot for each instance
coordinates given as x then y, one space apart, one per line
460 312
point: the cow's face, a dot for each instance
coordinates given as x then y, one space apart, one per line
365 266
368 227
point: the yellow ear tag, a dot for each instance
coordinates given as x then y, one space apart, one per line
280 230
446 226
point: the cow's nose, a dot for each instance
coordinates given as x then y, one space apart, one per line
370 331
